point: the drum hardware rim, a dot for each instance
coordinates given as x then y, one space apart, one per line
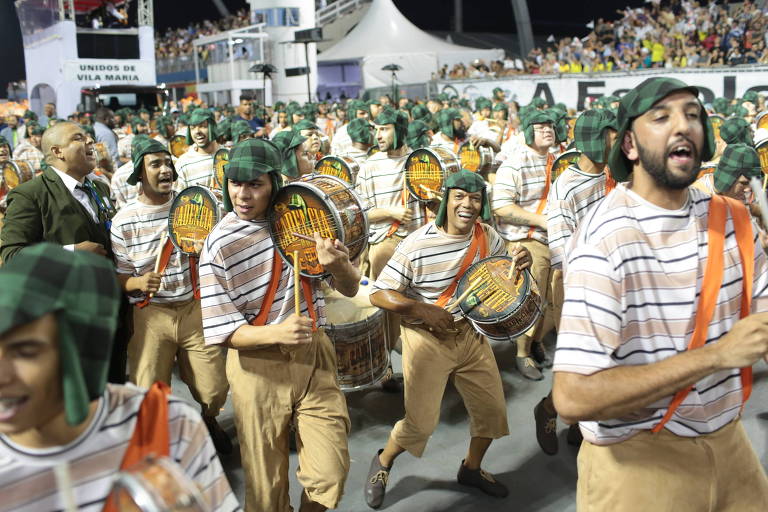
140 494
374 378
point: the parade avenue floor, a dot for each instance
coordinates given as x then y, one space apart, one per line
536 482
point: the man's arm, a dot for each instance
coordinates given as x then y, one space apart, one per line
514 214
22 225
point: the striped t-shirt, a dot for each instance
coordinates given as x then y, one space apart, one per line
520 180
28 483
341 141
572 194
235 271
381 182
124 146
426 262
706 183
194 168
438 141
136 231
123 193
631 295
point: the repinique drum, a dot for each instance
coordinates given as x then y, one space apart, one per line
343 167
157 485
475 158
177 145
220 159
317 203
357 331
426 170
15 172
716 120
762 151
761 121
194 213
498 307
564 161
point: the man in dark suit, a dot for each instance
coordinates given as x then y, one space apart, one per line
63 206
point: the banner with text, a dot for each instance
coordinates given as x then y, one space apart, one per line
110 72
574 90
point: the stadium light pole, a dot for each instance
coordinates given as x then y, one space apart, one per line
523 24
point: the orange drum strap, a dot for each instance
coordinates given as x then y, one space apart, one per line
151 433
306 288
165 257
478 244
269 297
713 279
610 183
543 200
395 225
193 275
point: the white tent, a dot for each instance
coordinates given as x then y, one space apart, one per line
384 36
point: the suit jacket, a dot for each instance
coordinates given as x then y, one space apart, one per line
43 210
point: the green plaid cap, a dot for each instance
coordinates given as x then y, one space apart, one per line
240 128
199 116
533 117
355 105
589 133
560 123
399 120
721 105
443 97
250 159
538 102
638 101
737 160
35 129
751 96
739 111
82 290
470 182
373 101
163 123
224 128
28 114
141 147
137 121
736 130
287 141
445 119
481 103
143 111
417 135
360 130
497 91
305 124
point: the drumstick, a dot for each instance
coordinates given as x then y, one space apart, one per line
64 484
296 280
765 182
431 192
472 285
159 257
512 267
304 237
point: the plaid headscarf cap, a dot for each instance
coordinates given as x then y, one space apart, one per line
141 146
28 114
417 135
538 102
736 130
287 141
750 96
721 105
445 119
589 133
305 124
360 130
224 128
637 102
481 103
397 118
199 116
535 117
82 290
35 129
354 105
737 160
250 159
239 128
470 182
163 123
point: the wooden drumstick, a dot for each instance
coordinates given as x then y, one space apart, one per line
159 257
472 286
512 266
431 192
304 237
296 281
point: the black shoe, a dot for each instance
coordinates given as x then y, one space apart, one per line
546 427
574 437
221 440
482 480
391 384
539 354
376 483
527 368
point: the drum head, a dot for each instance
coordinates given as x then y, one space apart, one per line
469 156
762 151
11 174
761 121
335 166
194 213
716 120
220 159
426 170
178 145
564 161
495 297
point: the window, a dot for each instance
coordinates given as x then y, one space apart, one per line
277 17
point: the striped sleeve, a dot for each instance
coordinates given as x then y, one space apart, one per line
221 317
397 275
122 259
506 186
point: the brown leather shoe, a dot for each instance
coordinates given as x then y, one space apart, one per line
527 368
546 426
482 480
376 483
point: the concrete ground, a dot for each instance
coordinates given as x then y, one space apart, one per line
537 482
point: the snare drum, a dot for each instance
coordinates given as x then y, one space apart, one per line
157 485
564 161
194 213
177 145
343 167
426 170
716 120
317 203
220 159
15 172
761 121
357 331
475 158
498 307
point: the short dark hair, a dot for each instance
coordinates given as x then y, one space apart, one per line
246 97
102 114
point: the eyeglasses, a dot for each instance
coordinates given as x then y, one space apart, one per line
544 129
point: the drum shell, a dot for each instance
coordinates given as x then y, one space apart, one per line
220 159
761 120
475 158
565 160
429 168
349 167
762 152
20 172
185 227
177 145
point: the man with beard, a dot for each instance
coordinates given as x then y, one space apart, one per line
652 359
739 163
519 203
452 131
102 126
168 326
441 345
195 167
30 148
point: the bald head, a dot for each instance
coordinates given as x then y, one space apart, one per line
67 147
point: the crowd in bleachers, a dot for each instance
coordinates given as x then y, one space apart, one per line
177 42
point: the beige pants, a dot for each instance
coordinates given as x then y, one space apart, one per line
663 472
273 388
166 332
550 285
467 359
378 256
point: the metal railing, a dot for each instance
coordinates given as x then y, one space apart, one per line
331 12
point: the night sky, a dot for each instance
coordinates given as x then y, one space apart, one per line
555 17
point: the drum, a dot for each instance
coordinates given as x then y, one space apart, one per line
317 203
220 159
194 213
157 485
325 144
15 172
343 167
716 120
761 121
762 151
177 145
357 331
475 158
498 307
571 127
564 161
426 170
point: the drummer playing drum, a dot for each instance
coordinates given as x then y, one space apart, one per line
418 283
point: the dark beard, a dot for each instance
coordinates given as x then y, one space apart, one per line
459 133
655 164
